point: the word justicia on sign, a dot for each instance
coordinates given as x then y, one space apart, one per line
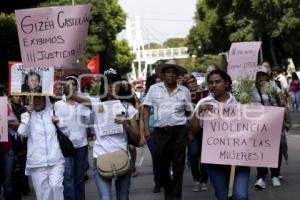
29 25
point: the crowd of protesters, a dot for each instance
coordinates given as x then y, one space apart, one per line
165 117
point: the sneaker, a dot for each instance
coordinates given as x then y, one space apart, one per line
280 177
260 184
203 187
196 186
276 182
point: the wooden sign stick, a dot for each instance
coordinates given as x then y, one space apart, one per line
231 180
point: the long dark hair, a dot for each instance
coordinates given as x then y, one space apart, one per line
295 77
223 75
125 91
151 80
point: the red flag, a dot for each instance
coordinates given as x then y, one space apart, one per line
94 64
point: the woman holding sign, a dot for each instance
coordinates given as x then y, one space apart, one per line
219 85
45 161
115 121
108 143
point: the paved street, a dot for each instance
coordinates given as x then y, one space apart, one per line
141 188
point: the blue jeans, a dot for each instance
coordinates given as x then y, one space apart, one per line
198 169
74 186
104 188
7 161
296 98
219 176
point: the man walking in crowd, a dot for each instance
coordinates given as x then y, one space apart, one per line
171 104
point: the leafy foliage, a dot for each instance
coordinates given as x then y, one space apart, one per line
9 48
174 42
275 22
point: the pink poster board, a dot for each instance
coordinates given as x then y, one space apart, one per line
3 120
244 135
242 60
52 36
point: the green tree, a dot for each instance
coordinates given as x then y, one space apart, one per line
221 22
153 45
9 48
174 42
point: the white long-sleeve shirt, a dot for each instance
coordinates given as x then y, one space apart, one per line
42 146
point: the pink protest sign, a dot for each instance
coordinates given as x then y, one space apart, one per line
245 135
242 60
3 120
52 36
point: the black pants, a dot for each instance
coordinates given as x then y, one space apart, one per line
275 172
170 148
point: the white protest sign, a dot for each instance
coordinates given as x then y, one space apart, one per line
242 60
3 120
52 36
241 134
106 114
31 80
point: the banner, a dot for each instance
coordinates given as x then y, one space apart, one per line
31 80
245 135
52 36
242 60
3 120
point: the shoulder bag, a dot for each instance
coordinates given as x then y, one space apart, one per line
114 164
66 145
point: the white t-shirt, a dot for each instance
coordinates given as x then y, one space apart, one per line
109 143
210 98
76 117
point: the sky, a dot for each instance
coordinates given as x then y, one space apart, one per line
161 19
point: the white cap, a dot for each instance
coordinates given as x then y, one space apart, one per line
262 69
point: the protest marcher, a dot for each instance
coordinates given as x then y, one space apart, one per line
151 80
76 118
171 103
106 144
45 162
110 143
281 82
32 83
7 162
268 98
134 101
219 85
199 173
295 91
19 145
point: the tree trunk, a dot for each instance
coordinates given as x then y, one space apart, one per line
273 54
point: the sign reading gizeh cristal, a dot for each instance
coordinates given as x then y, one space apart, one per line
52 36
243 135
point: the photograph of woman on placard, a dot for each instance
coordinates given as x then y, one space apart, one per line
32 82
